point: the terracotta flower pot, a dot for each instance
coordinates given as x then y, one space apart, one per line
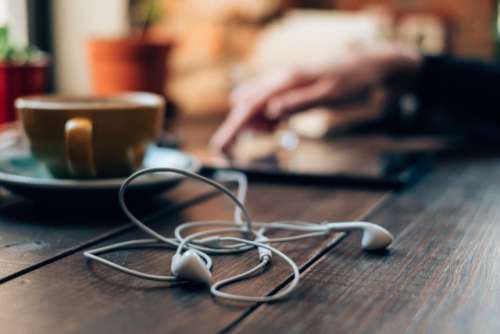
128 64
17 80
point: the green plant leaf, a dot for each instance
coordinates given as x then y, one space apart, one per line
4 36
11 53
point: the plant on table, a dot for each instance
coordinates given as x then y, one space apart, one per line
23 71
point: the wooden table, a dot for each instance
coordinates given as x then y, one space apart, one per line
441 276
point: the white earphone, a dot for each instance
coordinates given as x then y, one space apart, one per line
192 261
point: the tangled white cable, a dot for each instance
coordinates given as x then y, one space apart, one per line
192 261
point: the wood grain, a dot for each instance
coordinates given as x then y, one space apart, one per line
442 275
31 235
72 296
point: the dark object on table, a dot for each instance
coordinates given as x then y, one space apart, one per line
356 161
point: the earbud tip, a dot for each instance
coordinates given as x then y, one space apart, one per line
191 267
376 238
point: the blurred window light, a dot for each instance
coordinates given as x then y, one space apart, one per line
3 12
319 35
14 14
425 31
498 19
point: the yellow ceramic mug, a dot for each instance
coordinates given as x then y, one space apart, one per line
91 137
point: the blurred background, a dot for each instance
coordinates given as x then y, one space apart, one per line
208 47
195 52
216 44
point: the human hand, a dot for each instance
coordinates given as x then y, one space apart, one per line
275 95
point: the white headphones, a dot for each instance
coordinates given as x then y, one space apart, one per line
192 261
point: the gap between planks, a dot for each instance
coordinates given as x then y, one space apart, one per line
378 205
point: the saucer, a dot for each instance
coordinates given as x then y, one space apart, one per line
21 174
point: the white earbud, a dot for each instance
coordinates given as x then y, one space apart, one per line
192 260
191 267
374 237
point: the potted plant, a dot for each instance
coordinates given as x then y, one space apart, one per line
23 71
134 63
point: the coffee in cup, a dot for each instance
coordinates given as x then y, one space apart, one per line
91 137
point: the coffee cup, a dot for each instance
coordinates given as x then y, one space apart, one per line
91 137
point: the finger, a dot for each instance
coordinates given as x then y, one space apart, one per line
257 92
250 101
225 134
301 98
255 86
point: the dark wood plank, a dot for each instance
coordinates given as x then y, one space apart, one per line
71 295
442 275
31 235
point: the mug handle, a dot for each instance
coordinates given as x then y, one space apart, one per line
79 151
